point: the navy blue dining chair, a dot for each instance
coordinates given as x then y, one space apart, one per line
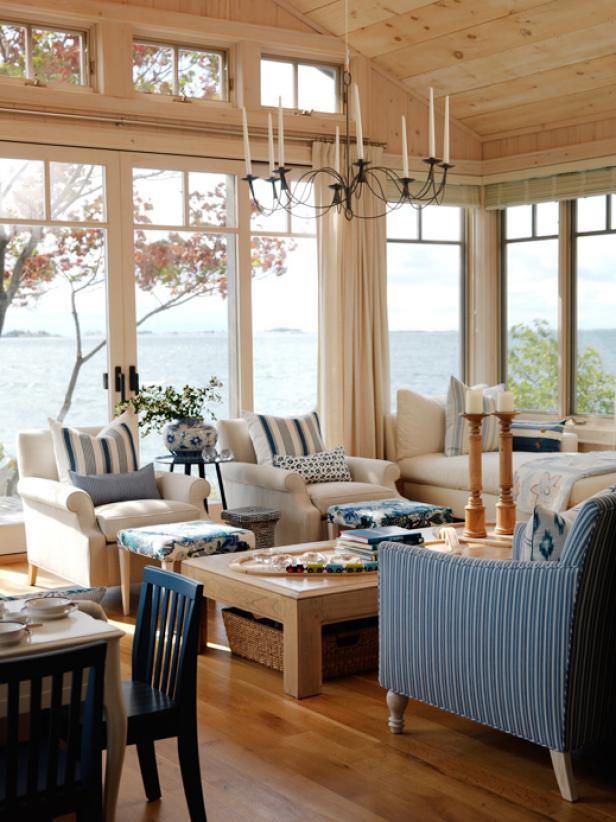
51 757
161 697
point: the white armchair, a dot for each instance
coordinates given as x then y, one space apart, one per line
68 536
303 507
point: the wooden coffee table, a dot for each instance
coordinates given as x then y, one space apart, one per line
302 604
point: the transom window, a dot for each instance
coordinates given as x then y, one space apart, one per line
425 290
180 71
300 85
43 53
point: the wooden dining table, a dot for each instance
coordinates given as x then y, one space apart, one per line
79 628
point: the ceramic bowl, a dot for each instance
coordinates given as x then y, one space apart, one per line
48 607
12 632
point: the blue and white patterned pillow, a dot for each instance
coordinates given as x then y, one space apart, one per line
324 466
289 436
534 436
456 427
546 534
111 451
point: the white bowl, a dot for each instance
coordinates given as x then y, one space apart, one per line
12 632
48 608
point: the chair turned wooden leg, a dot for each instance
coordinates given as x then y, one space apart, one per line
397 705
32 572
333 531
563 771
149 770
188 753
124 559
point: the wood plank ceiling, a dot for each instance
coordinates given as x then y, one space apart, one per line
510 66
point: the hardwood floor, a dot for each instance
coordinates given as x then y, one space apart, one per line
265 756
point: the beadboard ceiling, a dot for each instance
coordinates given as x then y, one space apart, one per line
510 66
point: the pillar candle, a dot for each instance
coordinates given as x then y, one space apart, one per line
431 136
270 143
358 129
247 157
405 150
474 401
504 402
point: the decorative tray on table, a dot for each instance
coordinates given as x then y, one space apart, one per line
311 564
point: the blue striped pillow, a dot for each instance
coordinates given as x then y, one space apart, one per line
111 451
290 436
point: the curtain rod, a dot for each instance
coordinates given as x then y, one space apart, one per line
205 129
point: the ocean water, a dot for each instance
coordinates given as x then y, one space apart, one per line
34 372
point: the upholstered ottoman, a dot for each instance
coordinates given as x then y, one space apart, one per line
171 543
397 511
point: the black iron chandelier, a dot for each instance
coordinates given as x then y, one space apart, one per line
348 180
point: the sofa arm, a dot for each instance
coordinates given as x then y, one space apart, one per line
192 490
59 495
264 476
376 472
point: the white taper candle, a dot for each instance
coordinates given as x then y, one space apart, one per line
247 157
280 135
337 151
431 136
405 150
358 129
446 133
270 143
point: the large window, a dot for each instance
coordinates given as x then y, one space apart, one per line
180 71
43 54
284 313
425 286
53 323
595 305
303 86
531 300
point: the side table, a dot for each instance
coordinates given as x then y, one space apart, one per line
261 521
172 460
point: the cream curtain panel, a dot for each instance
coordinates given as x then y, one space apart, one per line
546 189
353 332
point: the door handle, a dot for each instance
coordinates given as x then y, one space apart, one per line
120 382
133 379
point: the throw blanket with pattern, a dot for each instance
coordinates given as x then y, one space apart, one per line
548 480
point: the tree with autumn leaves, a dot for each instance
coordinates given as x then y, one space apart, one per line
173 267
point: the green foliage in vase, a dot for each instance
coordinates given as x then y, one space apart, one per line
156 405
533 372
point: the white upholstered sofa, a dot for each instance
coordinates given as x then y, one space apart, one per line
303 506
68 536
416 441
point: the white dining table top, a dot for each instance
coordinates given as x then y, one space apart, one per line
77 628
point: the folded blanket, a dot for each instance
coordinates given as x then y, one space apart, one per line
548 480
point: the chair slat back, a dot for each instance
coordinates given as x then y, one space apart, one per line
167 633
58 750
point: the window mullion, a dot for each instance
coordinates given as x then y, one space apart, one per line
176 78
29 65
566 312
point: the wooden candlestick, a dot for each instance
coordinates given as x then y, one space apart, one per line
505 507
474 510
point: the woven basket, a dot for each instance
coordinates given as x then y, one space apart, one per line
348 647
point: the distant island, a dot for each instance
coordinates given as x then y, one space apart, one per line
21 333
285 331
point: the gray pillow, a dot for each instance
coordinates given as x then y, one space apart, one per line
104 488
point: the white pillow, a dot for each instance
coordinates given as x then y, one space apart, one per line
111 451
456 427
420 424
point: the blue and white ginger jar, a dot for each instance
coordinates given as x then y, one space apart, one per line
188 436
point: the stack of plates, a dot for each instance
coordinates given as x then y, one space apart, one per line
48 607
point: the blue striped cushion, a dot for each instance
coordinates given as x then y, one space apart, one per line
111 451
456 427
290 436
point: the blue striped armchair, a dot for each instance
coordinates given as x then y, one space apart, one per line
528 648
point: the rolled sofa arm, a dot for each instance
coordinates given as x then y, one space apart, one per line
58 495
264 476
376 472
192 490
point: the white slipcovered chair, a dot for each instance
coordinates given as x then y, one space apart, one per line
68 536
303 506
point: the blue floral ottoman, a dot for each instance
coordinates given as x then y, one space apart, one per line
401 512
175 541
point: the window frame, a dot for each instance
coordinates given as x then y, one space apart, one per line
30 79
296 62
176 47
463 285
